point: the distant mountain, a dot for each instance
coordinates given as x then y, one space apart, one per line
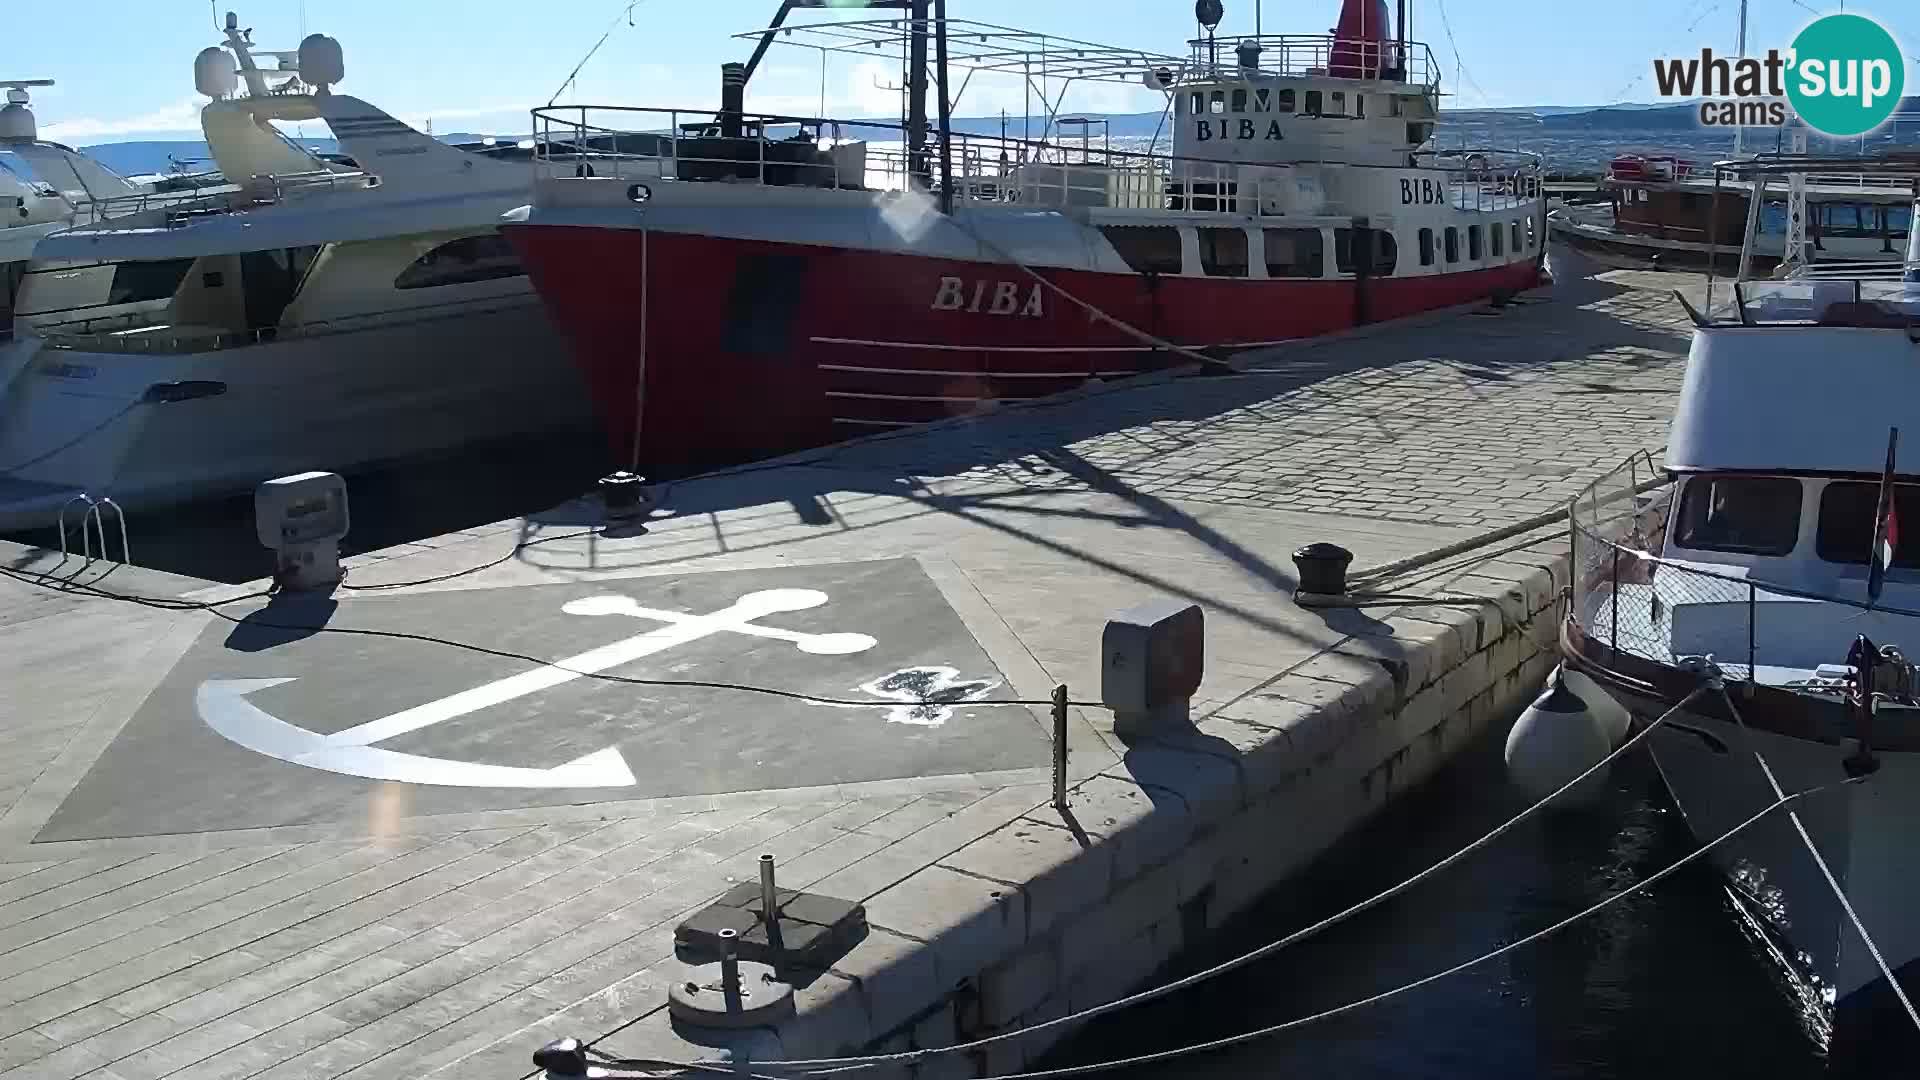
1671 117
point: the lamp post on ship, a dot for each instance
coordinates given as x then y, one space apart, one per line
1208 14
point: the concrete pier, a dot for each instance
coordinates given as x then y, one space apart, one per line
244 847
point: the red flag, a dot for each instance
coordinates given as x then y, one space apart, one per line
1886 525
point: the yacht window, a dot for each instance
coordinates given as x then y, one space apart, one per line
1426 247
1749 515
1845 534
1496 234
1148 249
1263 100
1453 244
1473 243
1346 256
139 282
1286 101
459 262
1360 106
1223 252
1339 103
1516 238
1219 101
1899 221
1313 103
1199 103
1295 253
1240 101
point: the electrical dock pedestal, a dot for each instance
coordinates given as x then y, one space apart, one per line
511 785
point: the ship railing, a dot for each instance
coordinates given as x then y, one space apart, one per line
1630 601
182 207
1410 62
91 335
644 144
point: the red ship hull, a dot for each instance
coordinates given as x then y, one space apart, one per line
724 349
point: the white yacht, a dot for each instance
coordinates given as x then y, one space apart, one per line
310 316
1773 563
46 186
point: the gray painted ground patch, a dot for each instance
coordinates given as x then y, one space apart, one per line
260 726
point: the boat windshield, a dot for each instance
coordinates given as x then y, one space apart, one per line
77 177
1890 303
1747 515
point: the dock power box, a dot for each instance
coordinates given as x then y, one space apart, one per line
302 519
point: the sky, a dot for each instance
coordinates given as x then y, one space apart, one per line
480 65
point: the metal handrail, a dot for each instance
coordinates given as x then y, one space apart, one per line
1312 55
987 168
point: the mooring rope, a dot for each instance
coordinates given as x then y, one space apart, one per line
854 1064
1155 993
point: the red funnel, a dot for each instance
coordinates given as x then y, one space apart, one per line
1358 51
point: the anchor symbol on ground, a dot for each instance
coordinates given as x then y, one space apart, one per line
223 705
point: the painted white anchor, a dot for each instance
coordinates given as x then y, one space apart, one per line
223 706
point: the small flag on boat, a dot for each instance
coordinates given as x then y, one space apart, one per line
1886 525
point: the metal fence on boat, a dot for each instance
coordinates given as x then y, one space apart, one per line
643 144
1628 599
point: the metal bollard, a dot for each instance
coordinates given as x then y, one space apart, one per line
1060 748
730 969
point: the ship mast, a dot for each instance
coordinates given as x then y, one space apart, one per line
1740 130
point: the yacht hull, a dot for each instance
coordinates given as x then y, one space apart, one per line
151 428
1864 832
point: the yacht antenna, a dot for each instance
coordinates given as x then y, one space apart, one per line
241 42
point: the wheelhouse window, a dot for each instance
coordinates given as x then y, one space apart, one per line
1845 532
1148 249
1516 238
1295 253
463 261
1529 232
1745 515
1223 252
1263 100
1426 247
1496 234
1473 243
1286 101
1348 253
1218 102
1199 103
1453 244
1240 101
1845 220
1339 102
1313 103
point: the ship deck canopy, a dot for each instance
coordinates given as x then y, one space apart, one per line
985 47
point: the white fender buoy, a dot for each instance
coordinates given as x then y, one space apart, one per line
1614 719
1557 738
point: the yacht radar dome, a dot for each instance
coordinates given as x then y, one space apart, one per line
321 61
16 120
213 73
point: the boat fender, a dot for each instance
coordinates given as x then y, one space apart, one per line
1557 738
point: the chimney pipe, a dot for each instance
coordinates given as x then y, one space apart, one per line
733 98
